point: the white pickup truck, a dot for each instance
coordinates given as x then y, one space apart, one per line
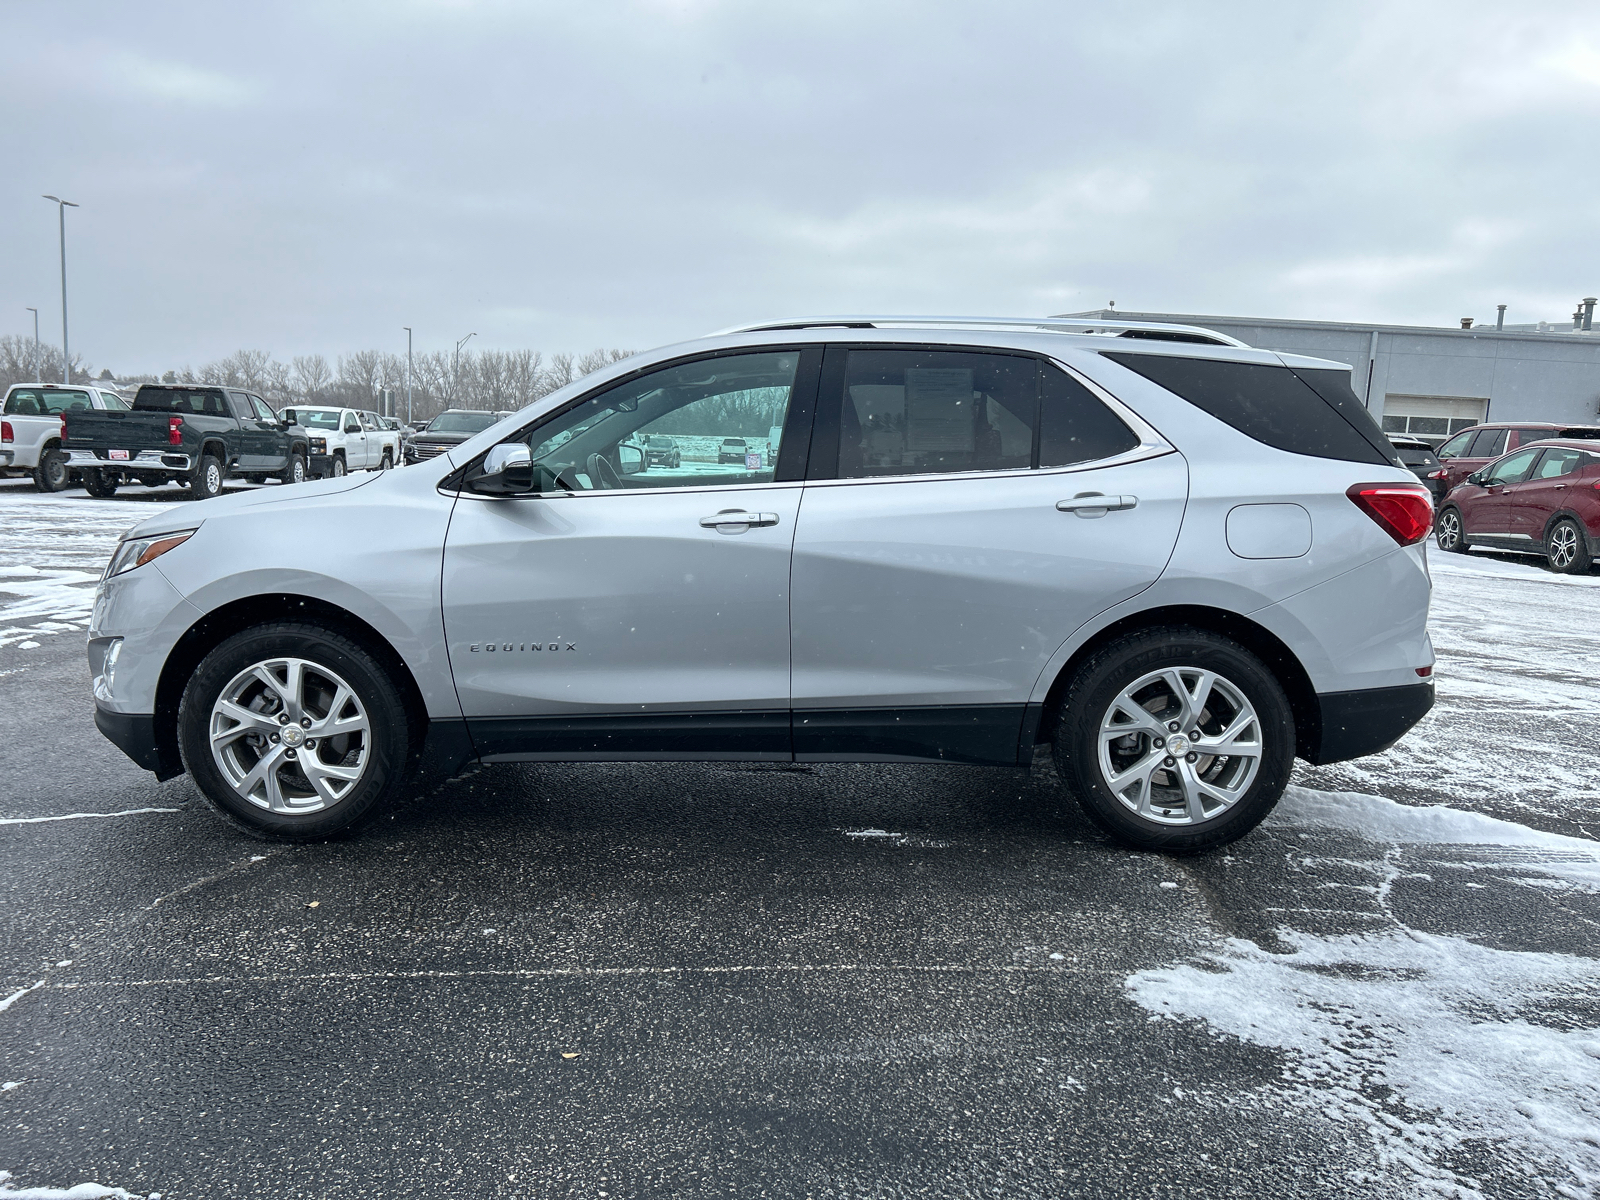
30 428
345 439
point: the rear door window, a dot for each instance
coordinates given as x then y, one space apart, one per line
1558 462
1488 443
1270 403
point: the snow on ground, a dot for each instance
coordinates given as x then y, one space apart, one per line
83 1191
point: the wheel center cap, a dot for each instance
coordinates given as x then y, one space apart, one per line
1177 744
293 735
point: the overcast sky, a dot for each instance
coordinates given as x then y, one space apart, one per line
309 178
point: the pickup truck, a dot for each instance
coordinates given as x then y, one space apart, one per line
30 428
194 434
345 439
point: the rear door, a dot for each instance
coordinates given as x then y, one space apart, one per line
1531 503
966 511
1487 445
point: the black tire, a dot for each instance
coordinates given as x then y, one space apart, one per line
1096 689
388 462
337 468
51 475
1566 548
101 483
206 481
295 470
1450 532
383 762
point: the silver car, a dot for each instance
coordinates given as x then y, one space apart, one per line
1174 562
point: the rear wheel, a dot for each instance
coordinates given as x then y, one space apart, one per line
1177 740
101 483
293 733
1567 548
206 481
51 474
1448 531
388 462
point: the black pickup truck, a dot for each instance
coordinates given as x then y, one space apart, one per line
197 435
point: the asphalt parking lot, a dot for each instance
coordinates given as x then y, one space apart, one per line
714 980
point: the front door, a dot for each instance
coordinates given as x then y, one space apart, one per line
984 506
355 442
633 610
256 439
1489 516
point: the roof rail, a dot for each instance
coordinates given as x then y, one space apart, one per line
1151 330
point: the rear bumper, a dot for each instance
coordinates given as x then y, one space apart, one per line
1355 724
135 735
145 460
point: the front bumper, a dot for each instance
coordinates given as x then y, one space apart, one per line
1355 724
145 460
135 735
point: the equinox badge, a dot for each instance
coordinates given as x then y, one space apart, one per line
492 647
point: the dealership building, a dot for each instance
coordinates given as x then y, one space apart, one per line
1428 381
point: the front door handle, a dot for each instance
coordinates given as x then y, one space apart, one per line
738 519
1096 504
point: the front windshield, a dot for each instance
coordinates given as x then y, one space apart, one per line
462 422
313 418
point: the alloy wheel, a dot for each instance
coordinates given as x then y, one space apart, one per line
290 736
1563 546
1180 745
1449 533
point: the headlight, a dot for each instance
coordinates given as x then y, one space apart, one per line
135 552
319 445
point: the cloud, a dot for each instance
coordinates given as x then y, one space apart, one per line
183 84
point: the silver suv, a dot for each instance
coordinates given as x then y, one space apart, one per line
1175 561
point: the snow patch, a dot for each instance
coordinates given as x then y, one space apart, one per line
1427 1042
83 1191
126 812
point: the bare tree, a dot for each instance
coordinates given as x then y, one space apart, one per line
560 372
361 376
311 377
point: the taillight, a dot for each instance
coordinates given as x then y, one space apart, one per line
1441 473
174 431
1405 513
63 429
5 432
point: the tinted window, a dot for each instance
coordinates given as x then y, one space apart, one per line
1416 456
1524 436
461 422
39 402
184 400
241 406
1456 447
1269 403
1488 443
1074 426
732 407
1558 462
929 412
1513 468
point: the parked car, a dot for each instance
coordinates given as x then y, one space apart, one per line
345 439
663 452
732 450
449 429
1480 445
1542 498
30 428
1418 456
1150 558
195 435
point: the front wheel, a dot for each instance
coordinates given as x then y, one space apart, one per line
293 732
1177 740
51 473
1567 548
1448 532
338 468
101 483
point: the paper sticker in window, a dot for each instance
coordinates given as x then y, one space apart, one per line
939 409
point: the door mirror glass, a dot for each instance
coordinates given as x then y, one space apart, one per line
630 459
351 426
1476 478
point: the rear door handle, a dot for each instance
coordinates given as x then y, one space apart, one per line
1096 504
737 517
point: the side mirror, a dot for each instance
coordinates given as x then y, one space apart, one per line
1476 478
630 459
508 470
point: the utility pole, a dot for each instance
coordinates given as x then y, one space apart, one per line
407 328
38 363
455 369
66 355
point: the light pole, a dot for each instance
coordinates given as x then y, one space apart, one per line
37 361
407 328
455 367
66 356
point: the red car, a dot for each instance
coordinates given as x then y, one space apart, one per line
1539 499
1482 444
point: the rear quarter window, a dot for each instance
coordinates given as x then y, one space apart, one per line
1306 412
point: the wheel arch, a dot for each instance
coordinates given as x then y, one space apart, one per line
221 623
1260 641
